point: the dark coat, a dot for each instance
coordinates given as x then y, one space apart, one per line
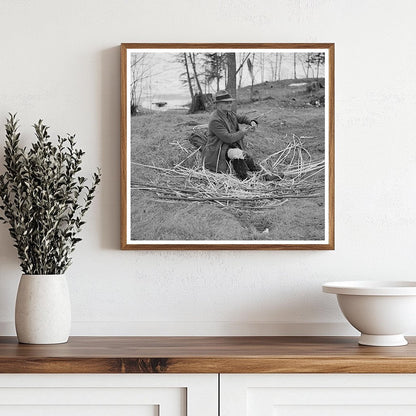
223 133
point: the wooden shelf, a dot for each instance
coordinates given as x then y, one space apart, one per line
206 355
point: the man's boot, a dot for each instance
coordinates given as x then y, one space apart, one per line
252 166
240 168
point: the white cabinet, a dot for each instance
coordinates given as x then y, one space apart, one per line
197 394
109 395
317 394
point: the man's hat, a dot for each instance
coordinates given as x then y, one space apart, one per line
223 96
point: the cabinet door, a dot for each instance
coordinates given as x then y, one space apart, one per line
108 395
318 394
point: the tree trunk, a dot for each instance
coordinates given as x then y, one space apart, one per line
201 94
280 66
192 59
191 91
198 103
305 68
294 65
231 78
250 66
240 69
240 78
275 66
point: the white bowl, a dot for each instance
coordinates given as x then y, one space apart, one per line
381 311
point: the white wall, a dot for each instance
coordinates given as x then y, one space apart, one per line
60 62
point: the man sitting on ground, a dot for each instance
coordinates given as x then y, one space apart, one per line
225 139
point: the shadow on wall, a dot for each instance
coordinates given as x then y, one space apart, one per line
280 315
9 279
109 97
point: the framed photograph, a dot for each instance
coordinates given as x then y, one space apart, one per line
227 146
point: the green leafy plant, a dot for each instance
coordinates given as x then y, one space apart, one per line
44 198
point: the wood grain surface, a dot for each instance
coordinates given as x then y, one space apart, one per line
206 355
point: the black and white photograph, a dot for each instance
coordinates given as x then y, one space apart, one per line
227 146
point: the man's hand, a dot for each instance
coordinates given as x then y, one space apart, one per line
248 129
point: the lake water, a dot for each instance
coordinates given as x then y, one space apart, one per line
181 103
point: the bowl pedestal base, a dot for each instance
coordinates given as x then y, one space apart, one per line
382 340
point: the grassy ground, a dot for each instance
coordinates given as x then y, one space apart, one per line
159 139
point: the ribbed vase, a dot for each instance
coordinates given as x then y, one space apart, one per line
43 309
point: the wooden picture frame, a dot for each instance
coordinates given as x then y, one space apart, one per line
170 200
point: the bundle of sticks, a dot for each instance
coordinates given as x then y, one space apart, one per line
302 178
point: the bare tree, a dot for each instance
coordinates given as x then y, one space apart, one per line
305 65
240 70
294 66
273 66
188 76
250 66
262 65
192 59
275 61
232 77
308 64
198 100
141 70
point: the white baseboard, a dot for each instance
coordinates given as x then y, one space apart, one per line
201 329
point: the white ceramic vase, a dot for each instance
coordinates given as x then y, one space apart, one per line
43 309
